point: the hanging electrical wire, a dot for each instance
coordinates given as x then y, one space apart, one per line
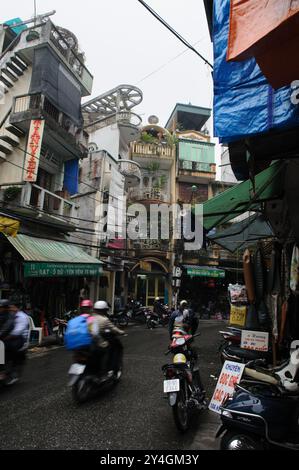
173 31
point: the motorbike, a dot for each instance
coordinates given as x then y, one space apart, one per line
182 383
86 380
153 319
230 349
120 318
263 412
60 325
136 312
12 370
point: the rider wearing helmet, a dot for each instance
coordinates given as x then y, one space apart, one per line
86 307
183 317
109 350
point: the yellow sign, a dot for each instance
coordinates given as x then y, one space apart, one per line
238 315
145 266
9 226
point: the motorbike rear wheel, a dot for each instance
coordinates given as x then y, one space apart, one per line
233 440
181 413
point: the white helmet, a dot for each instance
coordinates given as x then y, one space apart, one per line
183 304
101 305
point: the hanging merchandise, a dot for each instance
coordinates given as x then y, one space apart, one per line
237 294
238 315
294 279
259 277
248 276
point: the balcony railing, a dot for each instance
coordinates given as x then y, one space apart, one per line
131 171
151 194
50 203
147 150
49 34
151 245
37 105
201 167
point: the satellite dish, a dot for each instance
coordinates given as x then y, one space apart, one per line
153 120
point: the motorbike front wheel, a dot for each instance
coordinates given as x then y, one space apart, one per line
181 413
238 441
82 390
123 321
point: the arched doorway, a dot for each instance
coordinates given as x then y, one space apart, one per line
149 280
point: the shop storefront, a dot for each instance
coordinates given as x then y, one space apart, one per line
205 288
47 277
148 280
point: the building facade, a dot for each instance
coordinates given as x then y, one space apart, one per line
42 138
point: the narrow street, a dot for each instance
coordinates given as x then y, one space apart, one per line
39 412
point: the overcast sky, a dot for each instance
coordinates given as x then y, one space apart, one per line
123 43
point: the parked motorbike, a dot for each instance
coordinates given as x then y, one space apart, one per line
263 412
153 319
136 312
60 325
182 382
86 380
120 318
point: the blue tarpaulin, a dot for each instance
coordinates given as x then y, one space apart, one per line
244 103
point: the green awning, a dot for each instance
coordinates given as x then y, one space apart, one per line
47 258
242 234
241 198
204 271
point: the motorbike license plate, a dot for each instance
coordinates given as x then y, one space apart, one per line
77 369
171 386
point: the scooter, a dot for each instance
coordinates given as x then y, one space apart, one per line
60 325
86 381
263 412
182 383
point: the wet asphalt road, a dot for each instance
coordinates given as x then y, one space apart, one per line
39 413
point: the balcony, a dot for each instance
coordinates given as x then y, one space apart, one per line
191 171
147 153
151 246
128 123
48 34
33 196
131 171
37 106
150 195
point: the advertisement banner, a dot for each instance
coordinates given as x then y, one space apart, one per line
238 315
231 375
255 340
34 145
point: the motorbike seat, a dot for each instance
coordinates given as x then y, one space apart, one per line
246 353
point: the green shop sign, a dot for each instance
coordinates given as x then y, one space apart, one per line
62 270
201 272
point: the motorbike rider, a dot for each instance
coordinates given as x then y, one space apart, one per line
6 326
86 307
105 352
15 339
183 317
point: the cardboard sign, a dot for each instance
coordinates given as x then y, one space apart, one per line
238 315
231 374
255 340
